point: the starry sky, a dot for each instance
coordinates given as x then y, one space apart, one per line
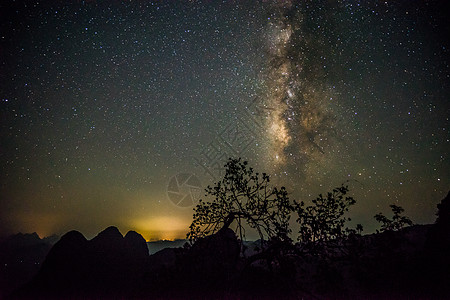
121 112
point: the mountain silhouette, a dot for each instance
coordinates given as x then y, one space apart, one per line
107 265
412 262
21 256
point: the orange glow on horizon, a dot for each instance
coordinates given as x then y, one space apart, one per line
44 224
161 228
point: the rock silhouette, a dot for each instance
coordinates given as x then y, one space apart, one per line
212 260
107 265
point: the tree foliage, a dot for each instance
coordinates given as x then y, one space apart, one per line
245 199
443 213
396 223
322 224
242 197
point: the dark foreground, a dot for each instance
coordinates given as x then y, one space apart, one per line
410 264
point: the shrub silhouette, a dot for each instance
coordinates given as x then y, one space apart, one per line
396 223
322 224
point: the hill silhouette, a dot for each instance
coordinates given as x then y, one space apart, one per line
108 265
393 264
21 256
398 262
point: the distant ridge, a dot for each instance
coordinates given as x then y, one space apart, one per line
155 246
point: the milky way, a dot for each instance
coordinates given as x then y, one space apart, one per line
300 118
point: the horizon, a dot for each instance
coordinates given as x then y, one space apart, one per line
150 240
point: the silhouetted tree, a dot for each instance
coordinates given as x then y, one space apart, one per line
243 197
322 224
359 228
396 223
443 214
439 235
437 249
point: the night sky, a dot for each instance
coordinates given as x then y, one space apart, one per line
108 107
